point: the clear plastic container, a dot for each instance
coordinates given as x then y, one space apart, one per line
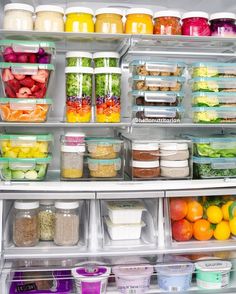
24 169
214 115
105 168
195 23
145 151
157 98
109 21
79 87
25 146
214 99
24 110
139 21
25 223
46 220
49 18
213 69
174 151
213 84
74 138
145 169
106 59
223 24
79 59
79 20
167 22
25 80
175 169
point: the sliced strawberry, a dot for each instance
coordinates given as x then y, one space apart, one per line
19 95
41 93
9 92
27 82
40 85
19 77
15 85
7 75
35 88
23 92
32 58
41 76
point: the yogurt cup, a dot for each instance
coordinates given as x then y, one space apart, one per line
213 274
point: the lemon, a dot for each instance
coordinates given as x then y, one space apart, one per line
225 209
232 225
222 231
214 214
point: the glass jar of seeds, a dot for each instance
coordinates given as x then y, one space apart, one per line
46 220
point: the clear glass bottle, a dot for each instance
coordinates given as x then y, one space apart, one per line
46 220
25 223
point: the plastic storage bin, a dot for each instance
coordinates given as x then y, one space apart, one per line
214 99
24 110
24 169
158 98
106 168
213 84
213 69
214 114
24 146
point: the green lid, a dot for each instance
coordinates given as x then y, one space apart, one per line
26 160
102 140
104 161
26 66
37 44
28 137
25 101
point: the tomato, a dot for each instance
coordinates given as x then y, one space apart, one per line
182 230
178 209
99 110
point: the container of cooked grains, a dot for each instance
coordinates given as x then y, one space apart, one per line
105 168
104 148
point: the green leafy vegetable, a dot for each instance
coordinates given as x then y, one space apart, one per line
206 171
106 62
79 61
78 84
107 84
206 150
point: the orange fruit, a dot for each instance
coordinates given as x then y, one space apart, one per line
202 230
5 111
195 211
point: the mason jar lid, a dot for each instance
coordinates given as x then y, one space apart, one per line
107 70
50 8
106 55
191 14
145 164
79 54
24 205
46 202
174 146
139 11
109 10
145 146
79 69
223 15
67 204
19 6
174 163
79 10
167 13
71 149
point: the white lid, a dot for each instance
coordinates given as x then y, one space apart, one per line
77 69
107 70
19 6
52 8
226 15
174 163
74 134
79 54
109 10
67 204
26 204
145 164
191 14
139 11
173 146
77 148
79 10
46 202
213 265
106 55
145 146
170 13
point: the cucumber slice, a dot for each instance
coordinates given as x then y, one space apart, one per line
42 171
6 174
31 175
18 174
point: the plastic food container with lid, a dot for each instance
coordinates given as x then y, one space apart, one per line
74 138
24 169
79 20
195 23
223 24
213 115
213 99
213 69
105 168
79 59
49 18
167 22
78 94
213 274
25 80
175 169
125 211
139 21
18 16
145 169
145 151
46 220
106 59
109 21
213 84
174 151
24 145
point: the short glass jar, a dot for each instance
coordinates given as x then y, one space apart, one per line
175 169
145 151
46 220
18 17
79 20
167 22
25 223
145 169
109 21
223 24
139 21
49 18
174 151
195 23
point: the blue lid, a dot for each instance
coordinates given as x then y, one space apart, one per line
159 93
142 62
217 109
210 160
213 79
213 138
214 94
158 108
104 161
215 64
159 78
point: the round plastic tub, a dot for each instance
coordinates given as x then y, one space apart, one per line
74 138
223 24
49 18
195 23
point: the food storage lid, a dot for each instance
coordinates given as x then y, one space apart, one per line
74 134
214 64
103 141
79 10
32 46
22 161
77 69
51 8
222 15
213 265
90 272
174 163
79 54
213 98
145 146
213 138
139 11
26 204
217 163
170 13
125 205
159 111
73 149
26 67
25 101
111 225
109 10
133 271
67 204
46 202
173 146
26 137
191 14
145 164
19 6
115 161
106 55
172 269
215 110
107 70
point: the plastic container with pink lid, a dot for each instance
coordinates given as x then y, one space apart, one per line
74 138
195 23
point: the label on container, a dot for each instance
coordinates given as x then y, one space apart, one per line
212 280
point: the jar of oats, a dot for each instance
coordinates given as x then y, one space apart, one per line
46 220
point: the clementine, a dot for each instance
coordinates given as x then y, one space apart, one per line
195 211
202 230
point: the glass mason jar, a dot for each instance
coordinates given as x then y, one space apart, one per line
109 21
195 23
78 94
167 23
25 223
106 59
49 18
46 220
223 24
108 92
139 21
66 223
79 20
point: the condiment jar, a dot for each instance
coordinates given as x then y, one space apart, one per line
18 17
49 18
66 223
145 169
46 220
195 23
109 21
145 151
79 20
223 24
174 151
25 223
139 21
167 22
174 169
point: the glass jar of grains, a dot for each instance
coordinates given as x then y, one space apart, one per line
46 220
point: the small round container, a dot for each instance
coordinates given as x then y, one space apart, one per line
145 151
46 220
174 169
223 24
106 59
213 274
79 20
139 21
104 168
167 22
79 59
109 21
103 148
18 17
145 169
49 18
195 23
175 277
174 151
74 138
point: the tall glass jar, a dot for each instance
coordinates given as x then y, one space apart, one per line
195 23
66 223
79 20
109 21
49 18
25 223
223 24
167 23
139 21
46 220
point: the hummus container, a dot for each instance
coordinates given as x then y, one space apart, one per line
174 151
145 169
175 169
213 274
145 151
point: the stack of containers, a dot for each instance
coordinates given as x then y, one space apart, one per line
157 91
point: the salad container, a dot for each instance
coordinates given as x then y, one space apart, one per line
213 69
25 80
213 84
214 115
213 99
79 59
106 59
24 146
105 168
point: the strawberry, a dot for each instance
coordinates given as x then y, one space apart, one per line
7 75
19 77
14 84
18 95
35 88
23 92
27 82
40 85
32 58
9 92
41 93
41 76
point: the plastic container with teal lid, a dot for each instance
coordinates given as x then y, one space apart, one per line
24 145
213 84
105 168
79 58
213 69
106 59
24 169
213 99
223 24
214 115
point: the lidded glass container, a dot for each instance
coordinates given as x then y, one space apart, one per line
79 20
46 220
49 18
139 21
109 21
25 223
195 23
223 24
167 22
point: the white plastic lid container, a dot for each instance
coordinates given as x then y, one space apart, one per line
139 11
145 146
24 205
66 204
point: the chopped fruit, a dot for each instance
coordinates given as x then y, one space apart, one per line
27 82
9 92
25 92
15 85
7 75
35 88
32 58
41 93
41 76
22 58
19 77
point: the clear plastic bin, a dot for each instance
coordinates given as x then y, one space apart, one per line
214 115
106 168
24 169
24 146
213 69
17 51
24 110
209 99
25 80
213 84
